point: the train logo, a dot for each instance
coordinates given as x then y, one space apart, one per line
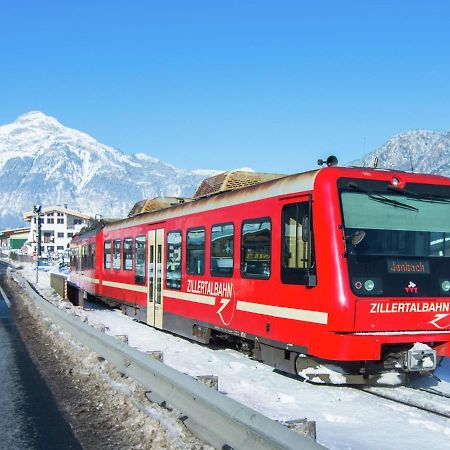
226 310
412 288
438 318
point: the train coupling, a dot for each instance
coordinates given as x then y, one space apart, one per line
420 357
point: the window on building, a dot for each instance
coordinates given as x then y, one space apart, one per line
116 254
60 247
60 235
296 257
195 251
173 264
222 250
139 272
107 255
60 214
60 221
69 235
48 237
128 254
50 248
255 248
50 220
77 221
41 220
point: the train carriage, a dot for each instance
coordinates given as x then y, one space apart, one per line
338 274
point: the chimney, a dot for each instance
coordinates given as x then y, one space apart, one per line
65 205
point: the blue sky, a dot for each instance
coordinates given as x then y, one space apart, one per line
272 85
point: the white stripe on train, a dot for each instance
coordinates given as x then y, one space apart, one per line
281 312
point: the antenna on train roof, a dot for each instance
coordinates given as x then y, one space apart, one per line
330 161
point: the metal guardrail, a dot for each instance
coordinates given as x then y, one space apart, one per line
215 418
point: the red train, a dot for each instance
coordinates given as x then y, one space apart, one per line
338 274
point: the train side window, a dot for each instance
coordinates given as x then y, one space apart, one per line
256 248
93 256
85 258
128 254
116 254
107 255
195 251
222 250
88 256
139 273
297 259
173 264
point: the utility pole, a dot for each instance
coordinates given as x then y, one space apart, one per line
37 219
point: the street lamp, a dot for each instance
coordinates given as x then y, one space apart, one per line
37 213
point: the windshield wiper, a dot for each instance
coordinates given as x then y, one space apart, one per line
381 198
422 197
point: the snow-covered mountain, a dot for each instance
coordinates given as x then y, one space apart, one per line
44 162
419 151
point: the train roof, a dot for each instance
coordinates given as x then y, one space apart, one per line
93 227
286 185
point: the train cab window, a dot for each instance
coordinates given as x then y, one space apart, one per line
139 273
256 248
173 264
128 254
222 250
107 255
116 254
297 259
195 251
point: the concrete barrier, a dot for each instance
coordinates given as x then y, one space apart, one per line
58 283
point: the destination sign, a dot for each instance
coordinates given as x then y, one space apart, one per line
407 266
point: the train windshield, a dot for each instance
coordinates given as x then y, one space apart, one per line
393 225
396 240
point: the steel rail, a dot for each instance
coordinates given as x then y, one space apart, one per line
408 397
213 417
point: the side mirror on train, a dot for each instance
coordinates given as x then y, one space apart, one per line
305 229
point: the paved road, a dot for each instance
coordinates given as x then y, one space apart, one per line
29 416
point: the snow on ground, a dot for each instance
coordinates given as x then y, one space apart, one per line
346 418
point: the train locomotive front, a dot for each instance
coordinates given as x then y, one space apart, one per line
393 280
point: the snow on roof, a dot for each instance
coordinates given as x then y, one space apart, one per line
28 215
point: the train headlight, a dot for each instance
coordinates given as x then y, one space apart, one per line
369 285
445 285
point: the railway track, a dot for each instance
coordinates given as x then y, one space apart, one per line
429 399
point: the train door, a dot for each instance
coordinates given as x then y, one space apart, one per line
155 277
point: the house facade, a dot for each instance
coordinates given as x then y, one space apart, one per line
58 226
14 239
